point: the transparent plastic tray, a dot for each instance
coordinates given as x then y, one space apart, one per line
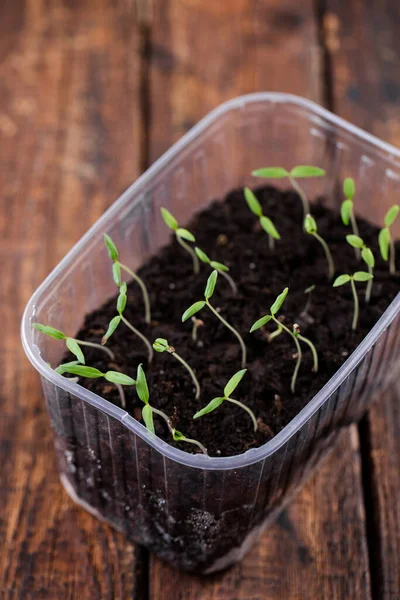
197 512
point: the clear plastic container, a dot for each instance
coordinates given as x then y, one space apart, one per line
201 513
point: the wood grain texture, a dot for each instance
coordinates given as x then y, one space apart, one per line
203 53
68 146
362 39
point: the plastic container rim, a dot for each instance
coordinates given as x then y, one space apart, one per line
199 460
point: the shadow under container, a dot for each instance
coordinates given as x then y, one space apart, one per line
199 513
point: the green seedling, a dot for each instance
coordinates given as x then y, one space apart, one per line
310 226
299 172
72 344
115 321
197 306
181 235
265 222
295 335
368 258
386 242
148 411
347 210
116 269
228 390
161 345
358 276
197 323
118 379
222 269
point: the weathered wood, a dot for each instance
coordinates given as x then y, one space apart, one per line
363 46
68 145
202 53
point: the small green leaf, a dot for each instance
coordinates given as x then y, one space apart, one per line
391 215
279 301
147 414
74 347
185 234
82 371
116 377
260 323
341 280
384 242
252 202
61 369
192 310
202 255
178 436
141 385
271 173
112 326
210 287
269 227
111 247
219 266
116 271
169 219
209 408
349 188
368 257
362 276
355 241
346 210
123 288
306 171
160 345
121 303
310 224
310 289
46 329
233 383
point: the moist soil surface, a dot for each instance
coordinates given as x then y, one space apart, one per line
228 232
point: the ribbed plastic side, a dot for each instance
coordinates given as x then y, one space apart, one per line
202 514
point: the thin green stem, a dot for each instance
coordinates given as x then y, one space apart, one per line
185 246
191 373
356 304
141 336
230 280
171 429
121 394
368 289
331 264
146 299
275 333
98 346
163 415
313 350
392 256
304 199
250 412
194 329
191 441
299 354
239 337
354 227
271 243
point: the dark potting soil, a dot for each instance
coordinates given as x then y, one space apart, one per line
230 233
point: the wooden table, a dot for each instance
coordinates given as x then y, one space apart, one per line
91 93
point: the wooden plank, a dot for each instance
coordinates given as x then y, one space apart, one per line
68 145
202 53
362 40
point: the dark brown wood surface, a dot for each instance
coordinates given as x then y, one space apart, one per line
91 93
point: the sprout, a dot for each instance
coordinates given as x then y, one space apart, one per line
196 324
358 276
265 222
228 390
386 243
148 410
72 344
347 209
119 379
368 258
222 269
161 345
181 235
295 334
300 172
197 306
115 321
305 313
116 268
310 226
